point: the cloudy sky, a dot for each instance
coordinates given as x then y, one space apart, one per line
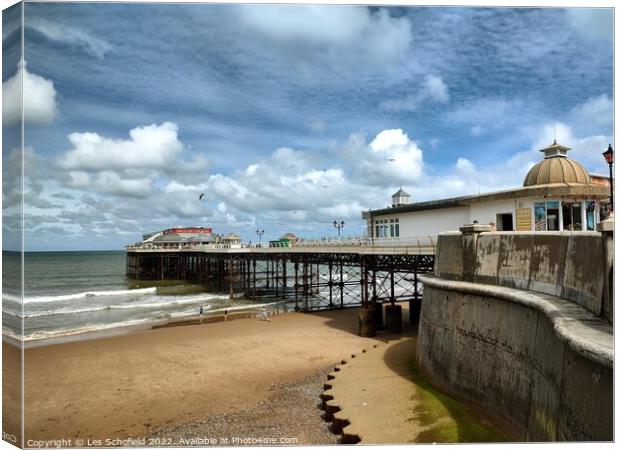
286 117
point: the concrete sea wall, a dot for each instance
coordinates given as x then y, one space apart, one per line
569 265
514 324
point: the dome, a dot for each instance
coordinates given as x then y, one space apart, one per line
232 237
557 170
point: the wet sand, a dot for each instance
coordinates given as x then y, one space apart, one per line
134 385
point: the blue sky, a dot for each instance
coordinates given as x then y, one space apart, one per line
289 117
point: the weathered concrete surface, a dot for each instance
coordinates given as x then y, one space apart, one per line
606 227
570 265
449 261
542 365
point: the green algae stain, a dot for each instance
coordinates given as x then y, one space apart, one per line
445 420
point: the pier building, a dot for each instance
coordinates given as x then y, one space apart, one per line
557 194
180 235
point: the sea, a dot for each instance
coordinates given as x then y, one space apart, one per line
72 293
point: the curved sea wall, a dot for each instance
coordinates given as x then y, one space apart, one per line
511 323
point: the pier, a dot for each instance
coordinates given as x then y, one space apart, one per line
314 274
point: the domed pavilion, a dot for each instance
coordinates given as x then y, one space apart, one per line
558 194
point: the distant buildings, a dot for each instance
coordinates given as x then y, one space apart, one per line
557 194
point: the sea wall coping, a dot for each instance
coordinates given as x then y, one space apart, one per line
586 334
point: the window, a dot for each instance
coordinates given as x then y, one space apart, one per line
504 222
540 216
590 207
387 228
571 215
553 216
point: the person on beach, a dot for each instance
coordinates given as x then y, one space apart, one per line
264 315
225 315
201 311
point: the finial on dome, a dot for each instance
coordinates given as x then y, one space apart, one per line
555 149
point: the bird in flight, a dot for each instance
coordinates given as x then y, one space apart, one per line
201 195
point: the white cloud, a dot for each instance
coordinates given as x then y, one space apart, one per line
465 166
131 167
108 182
56 31
433 90
390 157
338 32
78 179
310 23
149 147
39 98
597 111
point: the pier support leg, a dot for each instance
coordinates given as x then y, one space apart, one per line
284 279
341 286
415 305
366 324
394 318
377 313
296 286
231 293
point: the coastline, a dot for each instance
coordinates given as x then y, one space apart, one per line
130 385
210 316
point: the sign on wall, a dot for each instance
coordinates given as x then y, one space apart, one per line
524 219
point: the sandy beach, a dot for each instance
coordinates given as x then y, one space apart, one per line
134 385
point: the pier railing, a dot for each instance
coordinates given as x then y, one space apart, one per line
416 243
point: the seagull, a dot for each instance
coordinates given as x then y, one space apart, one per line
201 195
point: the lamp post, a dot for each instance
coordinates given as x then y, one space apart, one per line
609 157
339 226
260 236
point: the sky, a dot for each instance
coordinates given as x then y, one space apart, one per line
287 117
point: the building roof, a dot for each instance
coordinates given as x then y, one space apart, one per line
401 193
557 169
556 176
184 237
289 237
555 190
232 237
554 150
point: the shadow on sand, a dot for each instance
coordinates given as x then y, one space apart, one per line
442 418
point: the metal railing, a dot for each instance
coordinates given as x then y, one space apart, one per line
412 241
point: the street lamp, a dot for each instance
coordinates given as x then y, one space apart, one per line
339 226
260 235
609 157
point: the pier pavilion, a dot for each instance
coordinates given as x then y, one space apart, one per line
557 194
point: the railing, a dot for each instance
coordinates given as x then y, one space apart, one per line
414 241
